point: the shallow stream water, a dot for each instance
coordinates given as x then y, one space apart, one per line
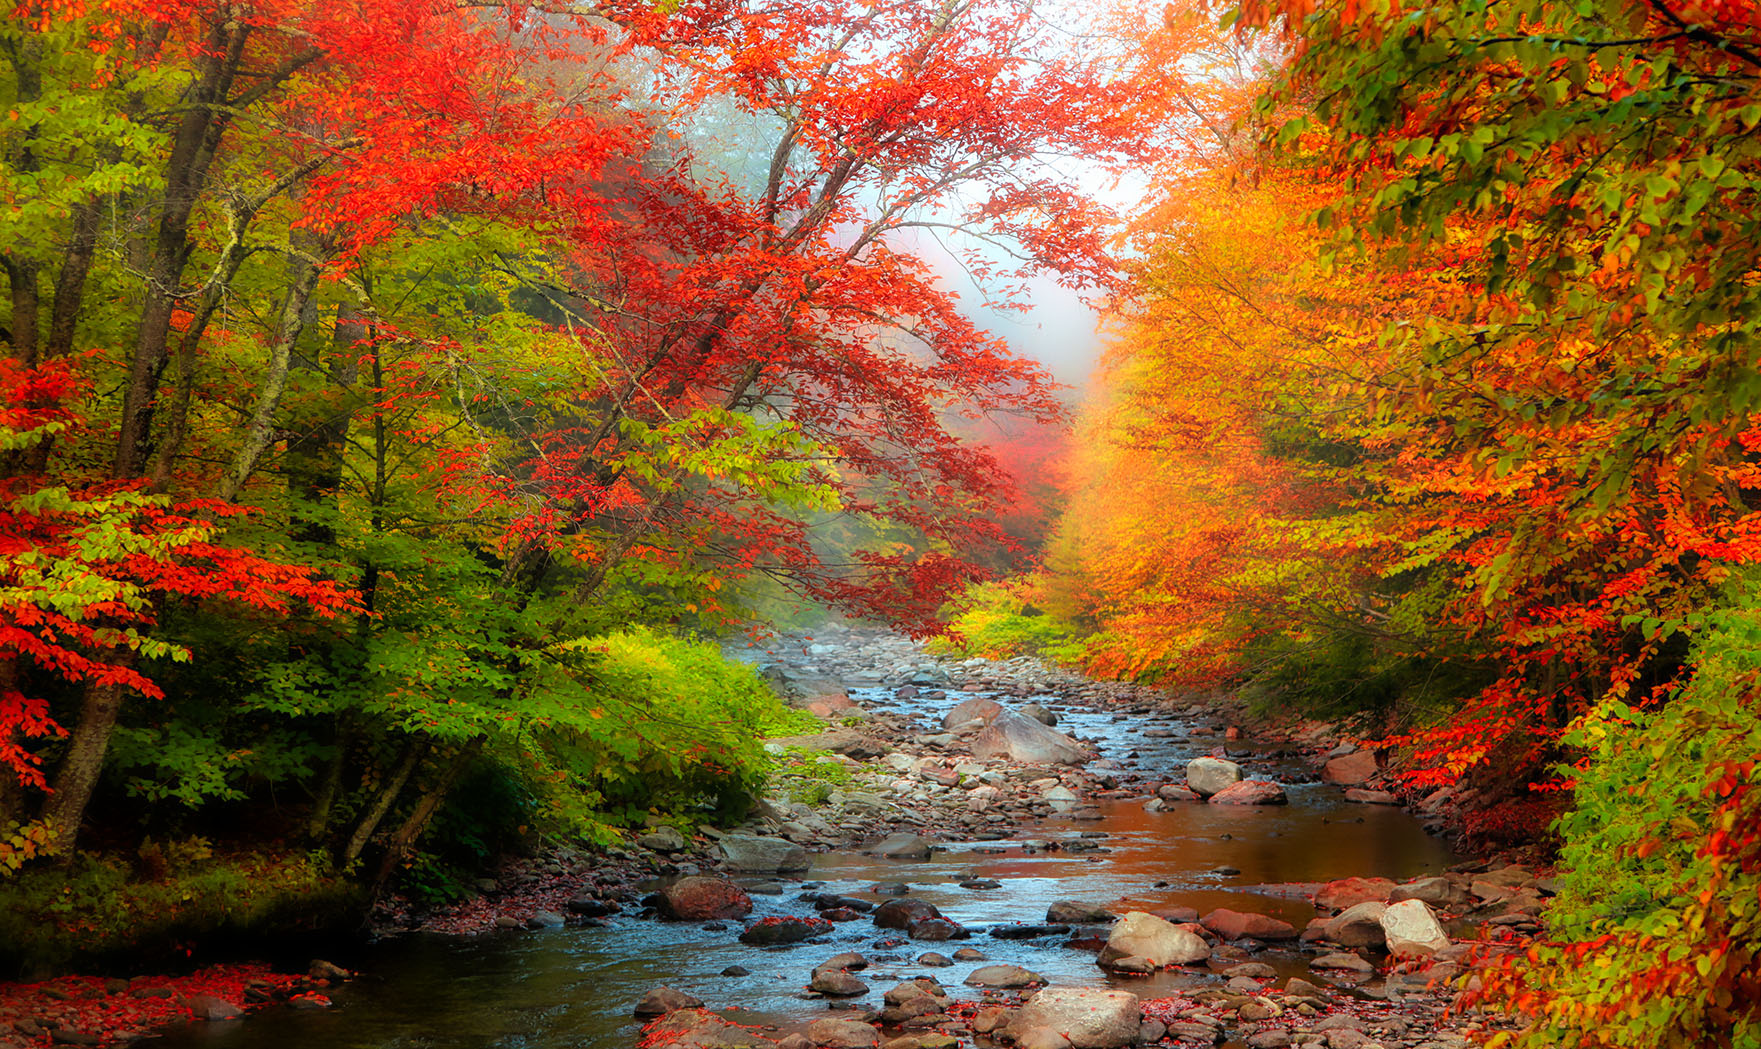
574 987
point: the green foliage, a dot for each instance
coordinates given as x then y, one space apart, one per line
1653 938
109 908
810 776
994 621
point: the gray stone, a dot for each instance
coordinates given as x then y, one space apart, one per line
977 708
903 847
1251 792
1073 912
1412 930
208 1007
663 1000
842 1034
1039 713
1089 1018
1157 941
751 854
1207 776
1343 961
836 983
1008 976
1358 926
663 839
1013 737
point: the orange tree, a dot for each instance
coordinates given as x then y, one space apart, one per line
1576 444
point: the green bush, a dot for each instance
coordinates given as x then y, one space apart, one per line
1655 938
110 908
994 621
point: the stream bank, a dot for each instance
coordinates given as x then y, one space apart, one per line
1272 910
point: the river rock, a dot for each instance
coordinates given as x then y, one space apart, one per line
897 914
847 960
1351 769
842 1034
751 854
663 839
1412 930
970 954
1233 925
1342 961
1207 776
926 1040
1347 892
1251 792
1039 712
1006 976
701 1029
1169 792
936 929
771 931
1041 1038
663 1000
990 1018
977 708
902 847
1438 892
1159 942
836 983
208 1007
830 705
1089 1018
1012 737
702 898
1359 925
934 960
1370 797
1072 912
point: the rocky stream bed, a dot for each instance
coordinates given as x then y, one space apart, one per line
999 853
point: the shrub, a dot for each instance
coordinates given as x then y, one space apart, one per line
1655 938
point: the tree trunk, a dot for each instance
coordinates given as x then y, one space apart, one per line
84 761
394 785
318 823
419 818
186 175
260 431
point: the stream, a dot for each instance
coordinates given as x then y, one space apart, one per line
575 986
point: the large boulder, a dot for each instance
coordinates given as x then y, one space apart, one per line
1013 737
1089 1018
1159 942
1039 712
1233 925
751 854
1412 931
1350 770
1358 926
1348 892
977 708
1251 792
1207 776
700 898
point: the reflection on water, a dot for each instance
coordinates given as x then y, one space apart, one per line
575 987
